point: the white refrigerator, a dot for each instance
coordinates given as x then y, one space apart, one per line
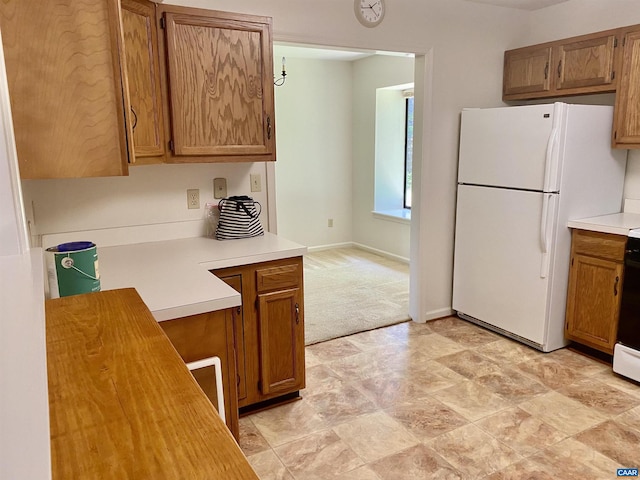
523 173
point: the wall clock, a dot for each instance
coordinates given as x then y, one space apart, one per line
369 13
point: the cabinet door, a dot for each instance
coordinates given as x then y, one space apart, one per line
280 316
235 282
220 84
627 117
526 70
65 83
206 335
593 301
585 63
143 75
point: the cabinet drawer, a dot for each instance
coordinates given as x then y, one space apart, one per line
596 244
282 276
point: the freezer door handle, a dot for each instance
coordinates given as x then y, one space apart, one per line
545 234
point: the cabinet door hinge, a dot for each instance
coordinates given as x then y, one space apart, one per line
615 42
171 145
163 23
259 385
572 262
613 75
615 135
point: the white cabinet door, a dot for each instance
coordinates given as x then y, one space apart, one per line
500 265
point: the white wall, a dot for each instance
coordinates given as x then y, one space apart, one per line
150 194
371 74
24 402
466 41
578 17
313 170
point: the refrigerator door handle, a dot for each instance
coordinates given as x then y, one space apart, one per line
545 239
548 160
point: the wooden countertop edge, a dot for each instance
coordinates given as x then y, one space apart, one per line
122 403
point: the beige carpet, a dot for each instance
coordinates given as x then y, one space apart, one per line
350 290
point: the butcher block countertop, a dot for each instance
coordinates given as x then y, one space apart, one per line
122 402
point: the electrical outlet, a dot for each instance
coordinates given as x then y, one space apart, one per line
219 187
256 184
193 198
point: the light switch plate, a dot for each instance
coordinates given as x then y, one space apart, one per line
219 187
256 184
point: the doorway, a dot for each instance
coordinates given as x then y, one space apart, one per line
332 147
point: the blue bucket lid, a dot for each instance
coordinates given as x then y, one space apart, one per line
72 246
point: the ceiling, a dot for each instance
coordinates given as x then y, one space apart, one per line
521 4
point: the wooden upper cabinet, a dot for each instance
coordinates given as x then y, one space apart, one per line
220 85
626 128
526 70
573 66
143 75
65 85
585 63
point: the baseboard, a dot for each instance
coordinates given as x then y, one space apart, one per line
319 248
436 314
382 253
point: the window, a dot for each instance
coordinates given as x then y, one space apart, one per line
393 153
408 151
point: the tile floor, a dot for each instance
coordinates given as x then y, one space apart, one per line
447 399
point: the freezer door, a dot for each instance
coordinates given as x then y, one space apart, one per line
501 268
510 147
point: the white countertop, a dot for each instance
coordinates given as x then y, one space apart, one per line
173 277
616 223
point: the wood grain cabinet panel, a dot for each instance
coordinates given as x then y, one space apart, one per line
281 341
65 83
585 63
595 288
235 282
526 71
220 85
206 335
626 129
271 357
143 75
573 66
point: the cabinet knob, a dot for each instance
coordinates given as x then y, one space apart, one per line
269 128
546 70
559 68
615 287
297 314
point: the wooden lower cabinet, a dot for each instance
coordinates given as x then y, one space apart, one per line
269 330
595 289
206 335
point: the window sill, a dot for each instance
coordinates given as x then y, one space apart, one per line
401 215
